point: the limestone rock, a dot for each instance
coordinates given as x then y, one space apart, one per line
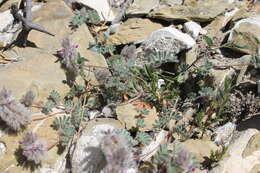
167 39
127 115
246 33
142 7
237 160
193 29
200 148
134 29
38 70
202 11
87 155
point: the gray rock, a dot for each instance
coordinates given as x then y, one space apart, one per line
222 135
87 156
167 39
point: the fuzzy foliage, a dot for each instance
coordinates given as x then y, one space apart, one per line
12 112
33 148
175 161
117 152
68 57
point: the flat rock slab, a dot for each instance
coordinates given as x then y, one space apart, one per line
203 11
134 29
246 33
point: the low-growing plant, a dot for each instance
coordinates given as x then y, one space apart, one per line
13 113
84 16
174 160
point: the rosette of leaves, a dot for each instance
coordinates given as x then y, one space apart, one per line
33 148
12 112
65 129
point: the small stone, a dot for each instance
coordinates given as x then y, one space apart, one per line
192 28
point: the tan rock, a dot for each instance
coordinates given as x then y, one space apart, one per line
38 70
219 76
127 115
134 29
234 160
252 146
255 169
202 11
246 33
200 148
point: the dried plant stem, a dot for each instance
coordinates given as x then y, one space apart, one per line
27 23
48 116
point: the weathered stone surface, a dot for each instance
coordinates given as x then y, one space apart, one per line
219 76
200 148
193 29
170 2
101 6
235 162
167 39
214 28
87 155
141 7
222 135
38 70
127 115
252 146
134 29
201 11
246 33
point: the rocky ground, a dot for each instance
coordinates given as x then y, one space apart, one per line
127 86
